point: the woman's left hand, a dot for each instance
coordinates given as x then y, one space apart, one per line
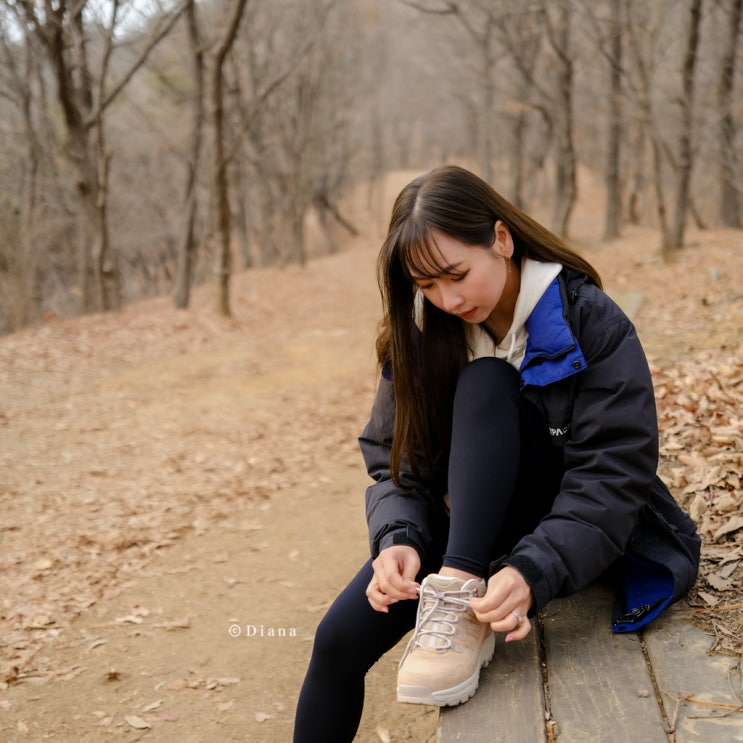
506 604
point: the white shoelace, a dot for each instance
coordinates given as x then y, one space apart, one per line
438 613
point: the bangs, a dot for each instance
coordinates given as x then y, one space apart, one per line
421 258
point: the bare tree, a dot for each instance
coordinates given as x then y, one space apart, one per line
480 22
221 185
729 192
613 215
19 90
642 38
566 184
293 106
608 36
187 244
686 102
84 95
521 33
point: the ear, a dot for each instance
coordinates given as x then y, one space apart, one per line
503 240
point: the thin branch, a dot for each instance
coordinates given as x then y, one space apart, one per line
259 99
154 41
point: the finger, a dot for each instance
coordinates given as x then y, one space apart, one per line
521 630
379 607
483 606
489 607
393 584
516 624
399 587
411 567
487 613
378 600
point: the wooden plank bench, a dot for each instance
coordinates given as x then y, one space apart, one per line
573 680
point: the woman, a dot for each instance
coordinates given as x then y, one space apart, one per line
513 443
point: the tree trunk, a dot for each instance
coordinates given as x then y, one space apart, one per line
485 129
660 198
729 196
87 191
649 129
186 249
566 185
638 181
685 141
613 217
221 181
244 218
298 252
106 268
67 53
106 264
29 297
29 258
517 150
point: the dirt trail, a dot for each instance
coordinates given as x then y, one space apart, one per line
182 498
169 480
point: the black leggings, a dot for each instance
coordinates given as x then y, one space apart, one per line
503 476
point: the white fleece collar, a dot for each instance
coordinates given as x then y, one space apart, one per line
536 276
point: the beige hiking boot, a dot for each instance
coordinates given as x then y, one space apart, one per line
441 664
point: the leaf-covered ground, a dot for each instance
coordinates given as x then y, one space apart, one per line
167 477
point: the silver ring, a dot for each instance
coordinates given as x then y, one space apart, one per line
518 616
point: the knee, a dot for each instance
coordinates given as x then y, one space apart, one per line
488 379
332 638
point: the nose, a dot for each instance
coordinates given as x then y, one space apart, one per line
451 299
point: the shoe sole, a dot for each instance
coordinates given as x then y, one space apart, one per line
454 695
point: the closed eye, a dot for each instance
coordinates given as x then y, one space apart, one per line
453 276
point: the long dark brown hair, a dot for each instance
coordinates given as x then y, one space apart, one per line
425 362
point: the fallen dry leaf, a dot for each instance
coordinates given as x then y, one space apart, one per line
130 619
733 524
184 623
228 680
137 722
176 684
718 582
708 598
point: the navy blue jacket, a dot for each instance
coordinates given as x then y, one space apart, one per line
585 369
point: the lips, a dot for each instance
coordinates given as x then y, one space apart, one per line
467 315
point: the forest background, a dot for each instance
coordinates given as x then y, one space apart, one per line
192 195
149 146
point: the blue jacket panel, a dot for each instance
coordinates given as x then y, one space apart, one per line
552 352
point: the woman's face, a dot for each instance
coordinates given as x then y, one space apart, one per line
472 282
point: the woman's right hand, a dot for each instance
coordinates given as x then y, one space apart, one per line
395 569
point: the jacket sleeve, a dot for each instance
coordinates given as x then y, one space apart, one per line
610 458
394 514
